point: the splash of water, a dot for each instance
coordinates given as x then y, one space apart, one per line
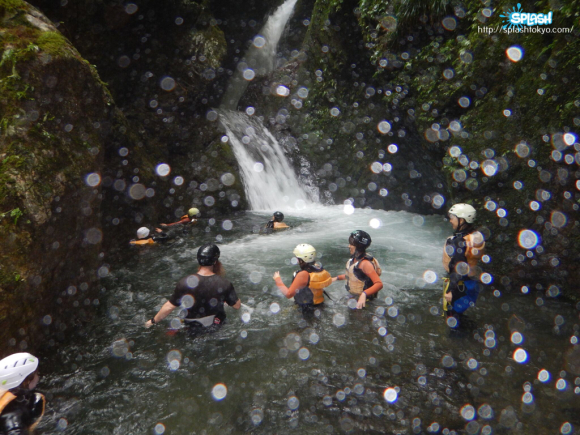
269 179
259 60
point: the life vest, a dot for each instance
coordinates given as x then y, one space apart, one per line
318 280
356 280
270 224
5 400
148 241
462 247
189 220
25 419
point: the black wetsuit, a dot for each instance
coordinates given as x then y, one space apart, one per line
21 413
209 294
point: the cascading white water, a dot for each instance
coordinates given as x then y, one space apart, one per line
259 59
269 179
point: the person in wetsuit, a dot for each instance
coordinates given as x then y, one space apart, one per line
145 237
187 219
202 294
277 222
21 408
362 270
461 254
308 285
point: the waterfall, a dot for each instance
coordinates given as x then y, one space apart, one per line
269 179
259 60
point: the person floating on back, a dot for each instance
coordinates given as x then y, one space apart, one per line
461 254
309 282
202 294
277 222
362 270
21 408
187 219
145 237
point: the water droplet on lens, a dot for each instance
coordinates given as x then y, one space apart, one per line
219 392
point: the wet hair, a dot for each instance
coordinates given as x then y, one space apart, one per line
217 268
26 382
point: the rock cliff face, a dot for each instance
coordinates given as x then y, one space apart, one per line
57 122
78 176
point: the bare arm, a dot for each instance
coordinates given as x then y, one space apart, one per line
237 305
299 282
339 278
369 271
165 310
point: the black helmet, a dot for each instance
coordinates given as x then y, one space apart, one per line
278 216
360 239
208 254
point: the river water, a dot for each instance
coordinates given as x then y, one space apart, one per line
330 373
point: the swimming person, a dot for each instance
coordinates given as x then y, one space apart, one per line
277 221
309 282
187 219
362 270
145 237
461 254
202 294
21 408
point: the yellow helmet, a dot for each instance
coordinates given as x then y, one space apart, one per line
192 212
305 252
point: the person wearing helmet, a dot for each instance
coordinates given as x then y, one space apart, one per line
362 270
145 237
21 408
202 294
309 282
187 219
277 222
461 254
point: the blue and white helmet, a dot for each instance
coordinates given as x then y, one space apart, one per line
15 368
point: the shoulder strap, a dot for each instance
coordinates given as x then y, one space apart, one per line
6 399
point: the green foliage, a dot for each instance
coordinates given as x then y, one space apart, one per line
15 213
9 6
52 43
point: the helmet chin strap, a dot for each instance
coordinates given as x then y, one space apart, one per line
462 226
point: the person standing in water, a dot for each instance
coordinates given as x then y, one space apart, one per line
202 294
21 408
362 270
461 254
309 282
277 222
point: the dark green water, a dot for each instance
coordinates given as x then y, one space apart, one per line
325 374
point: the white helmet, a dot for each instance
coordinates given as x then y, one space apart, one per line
15 368
305 252
464 211
142 232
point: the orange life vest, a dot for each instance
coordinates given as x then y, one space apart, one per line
313 293
473 251
5 400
